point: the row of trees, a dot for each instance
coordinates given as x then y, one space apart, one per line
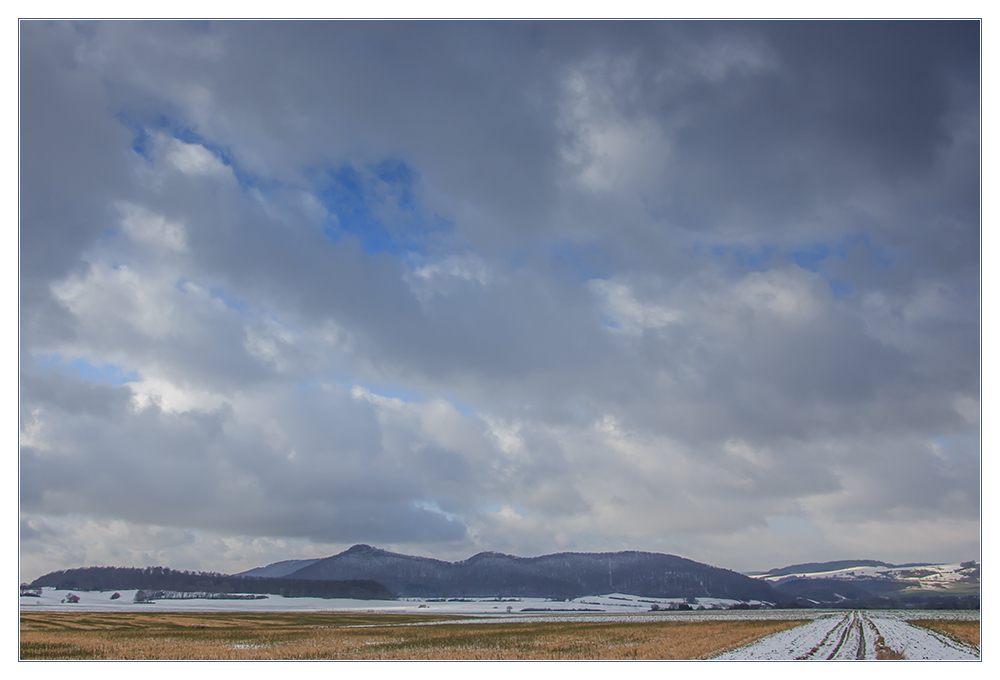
162 578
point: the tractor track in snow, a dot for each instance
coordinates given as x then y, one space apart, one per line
855 635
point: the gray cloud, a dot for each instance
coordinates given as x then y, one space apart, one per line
447 287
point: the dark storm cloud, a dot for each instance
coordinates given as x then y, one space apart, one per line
521 286
76 163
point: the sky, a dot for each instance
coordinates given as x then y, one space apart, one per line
703 288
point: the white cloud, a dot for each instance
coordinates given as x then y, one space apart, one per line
151 229
719 59
107 300
270 342
717 412
792 296
68 542
606 149
445 276
363 393
195 159
631 316
156 390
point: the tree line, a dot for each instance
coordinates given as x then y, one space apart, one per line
163 578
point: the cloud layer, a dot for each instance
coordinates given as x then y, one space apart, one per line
702 288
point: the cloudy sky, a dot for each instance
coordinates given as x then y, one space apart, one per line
709 289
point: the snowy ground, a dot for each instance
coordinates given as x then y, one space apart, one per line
828 635
855 635
53 600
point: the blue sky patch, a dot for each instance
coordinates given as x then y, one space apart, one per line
809 258
840 289
104 373
141 144
376 205
395 173
140 138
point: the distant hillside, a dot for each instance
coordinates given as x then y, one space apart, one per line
870 583
278 569
828 593
819 567
364 572
160 578
562 575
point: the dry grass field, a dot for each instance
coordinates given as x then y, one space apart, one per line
371 636
966 631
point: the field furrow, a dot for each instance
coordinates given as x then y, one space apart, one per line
857 635
814 640
915 642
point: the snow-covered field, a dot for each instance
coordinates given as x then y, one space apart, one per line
855 635
53 600
828 635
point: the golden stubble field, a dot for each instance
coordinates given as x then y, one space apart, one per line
289 636
966 631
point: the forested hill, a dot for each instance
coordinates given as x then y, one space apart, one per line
161 578
562 575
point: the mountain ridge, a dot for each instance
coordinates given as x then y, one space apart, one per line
375 573
872 583
559 575
824 566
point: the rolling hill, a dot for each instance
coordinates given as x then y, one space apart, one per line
872 583
561 575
